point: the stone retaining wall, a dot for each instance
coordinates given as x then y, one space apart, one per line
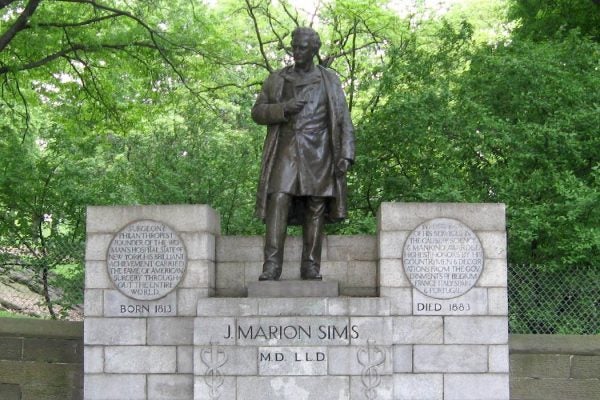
42 360
553 367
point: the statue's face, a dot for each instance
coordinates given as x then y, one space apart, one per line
302 50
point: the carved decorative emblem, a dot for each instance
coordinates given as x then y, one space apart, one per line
214 358
371 358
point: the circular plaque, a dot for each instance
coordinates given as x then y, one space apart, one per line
146 260
442 258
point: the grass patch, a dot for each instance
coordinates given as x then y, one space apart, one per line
9 314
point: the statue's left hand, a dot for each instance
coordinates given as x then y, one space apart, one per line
342 166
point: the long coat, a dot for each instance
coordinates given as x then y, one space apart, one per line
268 110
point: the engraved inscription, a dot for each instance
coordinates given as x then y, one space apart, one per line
291 332
474 302
443 258
116 304
277 361
145 309
146 260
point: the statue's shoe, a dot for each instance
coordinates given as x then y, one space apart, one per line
270 273
311 274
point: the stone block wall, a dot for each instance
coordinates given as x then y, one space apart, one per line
456 347
308 343
554 367
41 359
397 220
143 347
138 349
350 260
452 348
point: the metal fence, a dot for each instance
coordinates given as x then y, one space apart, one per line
539 300
43 282
544 301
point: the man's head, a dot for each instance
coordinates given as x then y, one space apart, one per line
305 45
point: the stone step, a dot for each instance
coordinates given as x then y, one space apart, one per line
260 307
293 288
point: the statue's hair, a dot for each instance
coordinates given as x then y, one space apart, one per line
311 33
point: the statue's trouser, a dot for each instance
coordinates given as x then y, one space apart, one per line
278 205
311 237
276 223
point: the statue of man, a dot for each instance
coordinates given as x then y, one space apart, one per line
308 149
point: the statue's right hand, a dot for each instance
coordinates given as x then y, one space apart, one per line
293 106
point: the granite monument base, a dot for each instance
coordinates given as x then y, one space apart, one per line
435 329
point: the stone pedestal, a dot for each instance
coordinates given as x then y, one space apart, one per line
140 301
293 288
450 303
437 331
293 348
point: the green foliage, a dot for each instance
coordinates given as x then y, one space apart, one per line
542 19
68 279
147 102
537 114
488 18
8 314
408 147
198 160
42 201
518 126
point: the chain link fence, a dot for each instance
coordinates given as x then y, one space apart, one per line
544 301
43 282
540 300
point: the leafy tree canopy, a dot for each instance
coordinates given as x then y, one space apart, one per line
542 19
139 102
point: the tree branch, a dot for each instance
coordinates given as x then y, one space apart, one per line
236 85
99 96
280 39
328 60
4 3
76 24
240 63
27 115
353 51
289 14
250 11
314 15
118 12
19 24
72 49
152 32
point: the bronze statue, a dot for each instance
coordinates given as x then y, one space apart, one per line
307 152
